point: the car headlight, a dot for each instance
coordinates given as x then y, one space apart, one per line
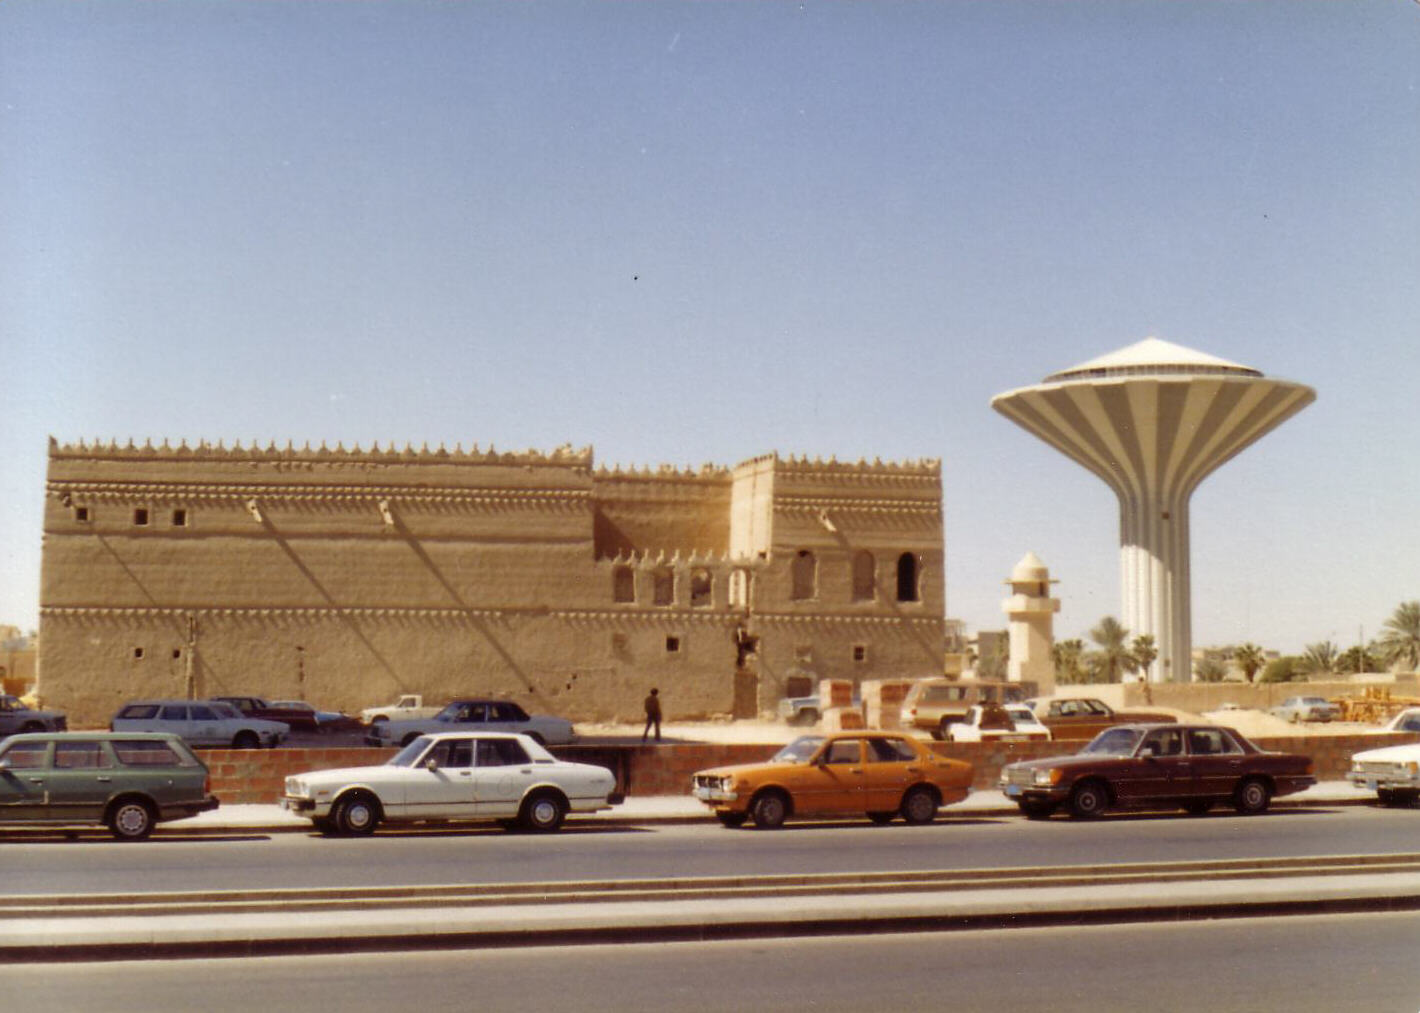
294 787
1048 778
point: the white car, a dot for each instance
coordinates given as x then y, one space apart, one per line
1012 722
199 723
1392 772
453 776
474 715
1306 708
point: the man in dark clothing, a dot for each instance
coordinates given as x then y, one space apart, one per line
653 715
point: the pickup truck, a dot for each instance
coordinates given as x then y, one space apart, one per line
16 717
408 707
290 712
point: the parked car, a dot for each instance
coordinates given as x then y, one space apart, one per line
933 705
1392 772
806 710
199 723
298 714
1086 717
877 774
1307 708
1407 720
453 776
17 716
474 715
994 722
1153 766
410 705
127 782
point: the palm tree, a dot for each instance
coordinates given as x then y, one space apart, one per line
1066 654
1399 642
1143 651
1249 658
1361 658
1320 658
1113 659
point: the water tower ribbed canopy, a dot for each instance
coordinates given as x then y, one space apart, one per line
1153 420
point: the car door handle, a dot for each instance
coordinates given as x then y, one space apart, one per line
855 770
103 780
35 780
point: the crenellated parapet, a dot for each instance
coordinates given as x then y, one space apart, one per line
203 450
657 559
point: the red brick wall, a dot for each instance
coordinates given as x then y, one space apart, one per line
242 776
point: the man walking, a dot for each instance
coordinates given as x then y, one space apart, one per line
653 715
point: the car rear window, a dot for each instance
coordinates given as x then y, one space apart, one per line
147 753
139 710
889 751
501 753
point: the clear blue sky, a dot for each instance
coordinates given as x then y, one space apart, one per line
700 232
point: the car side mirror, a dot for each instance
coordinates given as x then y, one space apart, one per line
431 765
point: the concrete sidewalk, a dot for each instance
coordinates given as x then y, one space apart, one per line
684 809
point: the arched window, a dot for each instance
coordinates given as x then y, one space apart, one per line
664 587
805 576
701 588
907 574
865 576
623 584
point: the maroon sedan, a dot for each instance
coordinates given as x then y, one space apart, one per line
1157 766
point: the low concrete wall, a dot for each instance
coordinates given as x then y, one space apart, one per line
241 776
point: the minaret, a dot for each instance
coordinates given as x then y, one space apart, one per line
1153 420
1031 612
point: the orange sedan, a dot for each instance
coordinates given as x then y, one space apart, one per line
877 774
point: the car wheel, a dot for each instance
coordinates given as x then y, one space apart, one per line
1089 800
245 739
942 730
1253 796
1037 810
1197 806
919 805
732 820
882 819
543 812
769 810
356 815
131 819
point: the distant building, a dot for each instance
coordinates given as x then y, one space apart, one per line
346 577
1031 612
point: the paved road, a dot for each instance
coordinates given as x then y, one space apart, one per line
94 864
1319 963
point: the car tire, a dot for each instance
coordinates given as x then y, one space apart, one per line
1198 806
543 812
1089 800
246 739
1037 810
131 819
356 815
732 820
325 826
1252 797
942 730
919 805
769 810
881 819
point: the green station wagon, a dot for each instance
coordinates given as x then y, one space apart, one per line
126 781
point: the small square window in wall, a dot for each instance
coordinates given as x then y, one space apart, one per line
179 518
672 645
177 653
140 516
860 652
137 653
81 514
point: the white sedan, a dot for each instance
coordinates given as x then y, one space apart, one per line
1012 722
453 776
1392 772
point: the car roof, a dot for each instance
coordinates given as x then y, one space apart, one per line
436 736
105 736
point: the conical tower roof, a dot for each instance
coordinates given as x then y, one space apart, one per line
1152 355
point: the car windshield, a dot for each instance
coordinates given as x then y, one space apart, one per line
799 750
406 756
1114 742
